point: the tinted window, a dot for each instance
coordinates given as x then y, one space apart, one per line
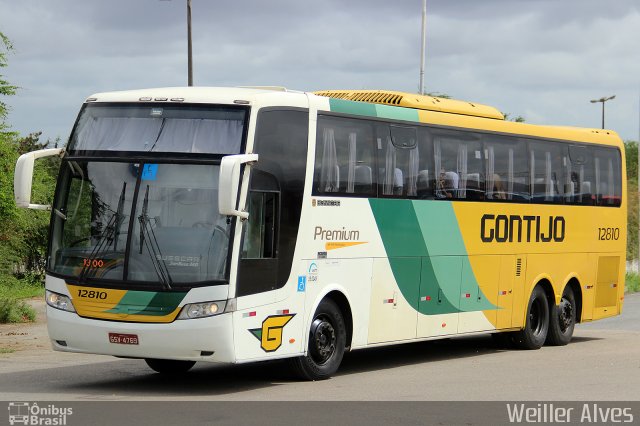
507 169
547 162
459 164
159 128
398 160
345 159
275 200
607 177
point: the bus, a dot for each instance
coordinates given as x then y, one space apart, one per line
233 225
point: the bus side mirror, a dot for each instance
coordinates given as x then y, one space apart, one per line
229 182
23 177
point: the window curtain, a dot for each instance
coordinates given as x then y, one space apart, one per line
329 172
351 173
414 166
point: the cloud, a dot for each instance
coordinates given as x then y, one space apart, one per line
543 59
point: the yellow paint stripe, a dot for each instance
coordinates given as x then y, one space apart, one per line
333 245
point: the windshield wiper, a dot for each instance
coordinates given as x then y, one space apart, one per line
148 239
112 229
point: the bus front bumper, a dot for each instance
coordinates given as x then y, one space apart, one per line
204 339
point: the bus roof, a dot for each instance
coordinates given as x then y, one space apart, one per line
410 100
453 113
376 103
230 95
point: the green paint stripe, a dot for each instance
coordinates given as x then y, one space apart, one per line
350 107
439 226
397 113
373 110
148 303
162 304
427 254
399 227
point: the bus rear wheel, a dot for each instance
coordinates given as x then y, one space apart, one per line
563 319
536 327
169 366
327 338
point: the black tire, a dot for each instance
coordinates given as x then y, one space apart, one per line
563 319
536 327
169 366
327 339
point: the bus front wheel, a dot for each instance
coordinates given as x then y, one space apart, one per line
327 337
536 327
169 366
563 319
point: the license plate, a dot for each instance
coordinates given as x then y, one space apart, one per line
123 339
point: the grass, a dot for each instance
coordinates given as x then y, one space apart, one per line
632 282
12 308
13 288
6 351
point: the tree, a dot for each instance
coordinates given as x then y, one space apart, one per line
6 89
517 118
631 153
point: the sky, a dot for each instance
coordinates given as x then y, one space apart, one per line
543 60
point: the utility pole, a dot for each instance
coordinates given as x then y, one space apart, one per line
424 42
603 100
189 48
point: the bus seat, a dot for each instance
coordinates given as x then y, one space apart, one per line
451 180
398 182
363 179
422 183
473 180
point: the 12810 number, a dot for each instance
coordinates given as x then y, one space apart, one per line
608 234
92 294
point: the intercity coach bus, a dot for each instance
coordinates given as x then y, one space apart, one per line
234 225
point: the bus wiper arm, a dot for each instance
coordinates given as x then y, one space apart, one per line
148 239
112 229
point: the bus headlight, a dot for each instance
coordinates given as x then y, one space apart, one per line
59 301
201 310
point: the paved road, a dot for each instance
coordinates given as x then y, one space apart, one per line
601 363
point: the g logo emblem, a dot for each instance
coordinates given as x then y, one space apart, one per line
270 335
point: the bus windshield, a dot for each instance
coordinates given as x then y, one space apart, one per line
139 222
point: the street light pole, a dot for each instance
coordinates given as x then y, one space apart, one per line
189 49
603 100
424 42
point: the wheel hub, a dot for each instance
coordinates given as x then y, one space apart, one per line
565 314
323 337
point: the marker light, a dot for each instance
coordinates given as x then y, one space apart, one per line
201 310
59 301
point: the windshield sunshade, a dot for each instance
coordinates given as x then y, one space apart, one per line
159 128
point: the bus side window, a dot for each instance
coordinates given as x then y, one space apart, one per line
260 230
344 157
581 175
459 166
547 161
506 169
398 160
607 170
